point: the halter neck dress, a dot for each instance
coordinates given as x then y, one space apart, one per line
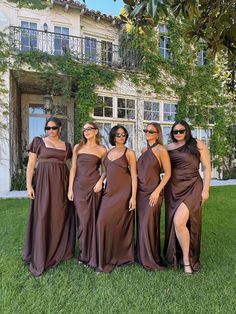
86 204
148 217
185 186
115 224
50 236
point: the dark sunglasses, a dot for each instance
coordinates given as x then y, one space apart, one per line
149 131
88 129
179 131
47 128
120 134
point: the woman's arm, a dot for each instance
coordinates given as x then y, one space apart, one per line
70 193
165 162
98 186
29 174
206 164
133 171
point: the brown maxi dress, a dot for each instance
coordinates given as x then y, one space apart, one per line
185 186
86 203
50 236
115 223
148 217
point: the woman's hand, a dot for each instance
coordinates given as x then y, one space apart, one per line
205 196
153 199
98 186
70 195
132 203
30 193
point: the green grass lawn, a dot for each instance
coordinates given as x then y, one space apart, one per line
72 288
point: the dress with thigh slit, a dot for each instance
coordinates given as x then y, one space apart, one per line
185 186
86 204
148 217
115 223
50 236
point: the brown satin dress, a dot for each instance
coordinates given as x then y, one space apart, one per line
86 203
50 235
115 223
185 186
148 217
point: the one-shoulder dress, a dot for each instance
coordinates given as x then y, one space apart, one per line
148 217
115 223
50 236
185 186
86 203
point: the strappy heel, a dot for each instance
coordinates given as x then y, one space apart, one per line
188 272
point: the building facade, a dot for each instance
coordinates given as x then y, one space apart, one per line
91 37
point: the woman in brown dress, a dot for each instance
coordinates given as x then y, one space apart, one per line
51 228
184 195
154 158
85 189
115 224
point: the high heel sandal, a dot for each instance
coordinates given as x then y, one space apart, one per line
188 272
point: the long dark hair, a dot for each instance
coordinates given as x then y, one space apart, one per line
191 142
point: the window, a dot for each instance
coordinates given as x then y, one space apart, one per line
106 52
201 57
166 134
194 133
61 40
28 37
90 48
206 136
164 41
126 108
105 109
151 111
104 129
169 112
37 118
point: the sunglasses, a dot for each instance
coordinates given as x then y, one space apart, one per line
120 134
179 131
149 131
88 129
54 128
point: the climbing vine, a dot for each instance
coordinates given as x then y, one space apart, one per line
202 90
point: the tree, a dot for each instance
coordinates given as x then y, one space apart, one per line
212 21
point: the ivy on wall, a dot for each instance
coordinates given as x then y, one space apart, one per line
201 90
69 78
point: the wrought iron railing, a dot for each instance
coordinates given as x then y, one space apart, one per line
84 49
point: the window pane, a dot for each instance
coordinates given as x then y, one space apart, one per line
121 103
166 134
147 115
130 114
36 127
155 106
155 116
36 109
121 113
108 101
98 111
130 103
104 129
147 105
108 112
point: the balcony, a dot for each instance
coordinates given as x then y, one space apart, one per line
83 49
